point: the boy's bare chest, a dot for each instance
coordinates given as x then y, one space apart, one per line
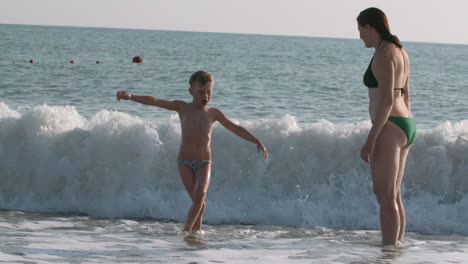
200 120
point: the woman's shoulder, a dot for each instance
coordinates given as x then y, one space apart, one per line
387 51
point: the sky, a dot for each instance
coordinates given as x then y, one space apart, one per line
411 20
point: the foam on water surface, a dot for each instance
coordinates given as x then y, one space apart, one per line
53 160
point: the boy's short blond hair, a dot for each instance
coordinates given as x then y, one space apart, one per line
201 78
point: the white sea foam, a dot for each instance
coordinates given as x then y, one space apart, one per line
113 164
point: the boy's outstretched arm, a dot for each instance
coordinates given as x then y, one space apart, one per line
150 100
241 132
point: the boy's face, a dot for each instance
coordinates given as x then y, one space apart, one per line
201 93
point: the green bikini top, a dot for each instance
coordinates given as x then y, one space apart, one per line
369 79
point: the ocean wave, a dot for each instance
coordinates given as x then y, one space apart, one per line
54 160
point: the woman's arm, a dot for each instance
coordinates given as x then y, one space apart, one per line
384 71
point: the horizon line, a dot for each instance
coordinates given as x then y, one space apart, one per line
219 32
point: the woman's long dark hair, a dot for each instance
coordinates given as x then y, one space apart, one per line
377 19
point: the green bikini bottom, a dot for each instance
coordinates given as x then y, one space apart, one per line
408 125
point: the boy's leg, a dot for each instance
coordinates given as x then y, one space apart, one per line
197 226
195 214
188 179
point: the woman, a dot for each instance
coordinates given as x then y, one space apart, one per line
393 129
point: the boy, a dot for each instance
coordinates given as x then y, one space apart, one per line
194 159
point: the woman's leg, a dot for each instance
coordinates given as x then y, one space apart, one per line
384 168
403 157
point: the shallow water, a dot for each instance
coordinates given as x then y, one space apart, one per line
35 238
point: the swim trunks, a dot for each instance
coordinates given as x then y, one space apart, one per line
193 164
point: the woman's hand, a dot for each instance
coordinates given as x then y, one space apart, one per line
367 151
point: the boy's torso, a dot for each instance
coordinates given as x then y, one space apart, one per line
196 127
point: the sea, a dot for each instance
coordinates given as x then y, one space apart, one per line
85 178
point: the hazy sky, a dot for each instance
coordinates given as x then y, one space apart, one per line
411 20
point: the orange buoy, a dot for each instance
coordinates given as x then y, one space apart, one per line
137 59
